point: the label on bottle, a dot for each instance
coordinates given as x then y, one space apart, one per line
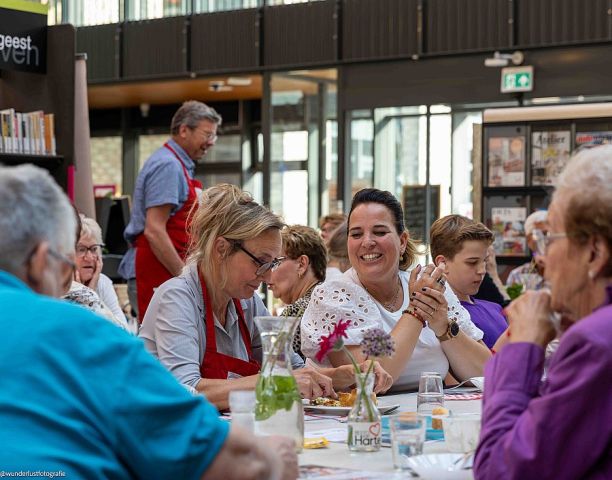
364 435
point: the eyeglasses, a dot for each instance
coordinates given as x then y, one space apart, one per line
208 136
543 240
264 267
95 250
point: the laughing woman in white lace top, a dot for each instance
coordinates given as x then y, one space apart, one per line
432 331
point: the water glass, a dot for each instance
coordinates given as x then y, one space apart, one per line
431 393
461 432
242 406
530 281
407 438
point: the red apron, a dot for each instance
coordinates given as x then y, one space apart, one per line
150 273
218 365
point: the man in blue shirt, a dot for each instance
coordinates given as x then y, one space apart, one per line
80 397
164 195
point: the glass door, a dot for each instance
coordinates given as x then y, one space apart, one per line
421 154
302 152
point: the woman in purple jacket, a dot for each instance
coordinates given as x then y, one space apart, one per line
562 428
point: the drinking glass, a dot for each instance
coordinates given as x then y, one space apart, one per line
407 438
461 432
530 281
431 393
242 406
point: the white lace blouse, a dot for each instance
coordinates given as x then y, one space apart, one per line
346 299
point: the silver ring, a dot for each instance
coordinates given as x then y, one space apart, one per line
441 281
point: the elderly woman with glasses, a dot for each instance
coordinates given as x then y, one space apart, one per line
76 291
200 324
562 427
89 266
531 274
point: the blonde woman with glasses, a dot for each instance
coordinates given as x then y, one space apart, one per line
200 324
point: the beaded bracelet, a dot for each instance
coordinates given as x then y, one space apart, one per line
413 313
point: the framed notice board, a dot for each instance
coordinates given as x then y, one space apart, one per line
415 217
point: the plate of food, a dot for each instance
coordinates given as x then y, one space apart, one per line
342 405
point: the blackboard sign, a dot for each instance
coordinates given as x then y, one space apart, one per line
23 36
413 201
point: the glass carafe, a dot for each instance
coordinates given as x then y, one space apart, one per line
278 404
364 428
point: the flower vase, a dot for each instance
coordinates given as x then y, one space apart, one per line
278 403
364 427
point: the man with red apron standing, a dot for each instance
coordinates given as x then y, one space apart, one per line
164 195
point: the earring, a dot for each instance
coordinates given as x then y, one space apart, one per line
300 275
591 275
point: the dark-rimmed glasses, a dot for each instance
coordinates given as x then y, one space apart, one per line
543 240
95 250
264 267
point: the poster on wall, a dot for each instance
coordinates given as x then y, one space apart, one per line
550 152
592 139
508 225
506 161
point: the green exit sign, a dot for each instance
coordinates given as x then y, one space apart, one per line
517 79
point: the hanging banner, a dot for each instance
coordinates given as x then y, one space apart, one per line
23 36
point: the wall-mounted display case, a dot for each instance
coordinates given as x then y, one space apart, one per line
524 150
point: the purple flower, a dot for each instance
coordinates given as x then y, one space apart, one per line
377 343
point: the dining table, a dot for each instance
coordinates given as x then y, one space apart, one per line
337 454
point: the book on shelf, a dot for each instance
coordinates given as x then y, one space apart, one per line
550 152
28 133
508 225
506 161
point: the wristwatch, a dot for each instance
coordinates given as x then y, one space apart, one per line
451 332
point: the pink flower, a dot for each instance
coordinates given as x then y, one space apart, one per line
334 341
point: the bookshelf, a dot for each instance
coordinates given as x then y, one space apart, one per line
52 92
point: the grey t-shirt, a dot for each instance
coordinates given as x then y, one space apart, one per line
174 328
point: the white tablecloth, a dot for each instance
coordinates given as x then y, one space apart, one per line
338 455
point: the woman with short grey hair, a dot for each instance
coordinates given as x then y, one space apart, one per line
561 428
89 266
